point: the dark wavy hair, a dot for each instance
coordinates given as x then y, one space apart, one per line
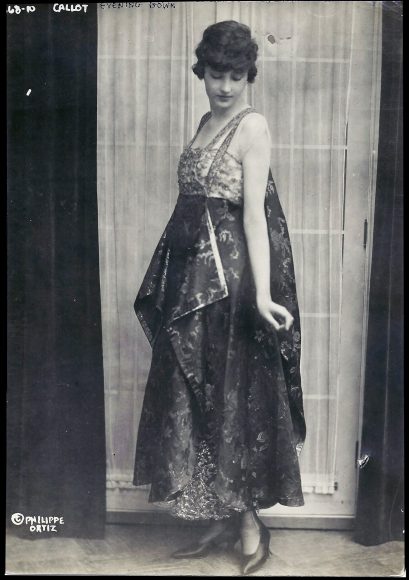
227 46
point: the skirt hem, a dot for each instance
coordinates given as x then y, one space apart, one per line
170 497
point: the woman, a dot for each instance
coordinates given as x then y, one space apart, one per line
222 422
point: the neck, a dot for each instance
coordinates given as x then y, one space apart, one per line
220 114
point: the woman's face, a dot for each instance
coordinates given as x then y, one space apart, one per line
224 89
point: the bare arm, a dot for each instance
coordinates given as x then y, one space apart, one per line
256 163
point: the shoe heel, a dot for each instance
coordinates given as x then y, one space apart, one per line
228 544
223 545
237 545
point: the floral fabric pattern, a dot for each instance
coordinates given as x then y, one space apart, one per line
222 422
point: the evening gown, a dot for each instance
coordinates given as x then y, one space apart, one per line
222 422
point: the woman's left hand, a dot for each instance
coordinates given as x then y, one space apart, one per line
275 314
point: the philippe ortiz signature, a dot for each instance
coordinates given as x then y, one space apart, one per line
38 523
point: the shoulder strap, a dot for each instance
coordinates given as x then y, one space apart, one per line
225 144
203 120
232 124
235 122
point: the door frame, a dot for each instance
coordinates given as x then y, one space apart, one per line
324 511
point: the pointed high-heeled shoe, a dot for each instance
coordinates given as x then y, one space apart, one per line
225 540
254 562
195 550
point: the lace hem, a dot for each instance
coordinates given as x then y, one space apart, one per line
198 499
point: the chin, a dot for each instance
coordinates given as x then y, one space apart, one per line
224 102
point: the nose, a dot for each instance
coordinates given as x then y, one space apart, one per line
226 86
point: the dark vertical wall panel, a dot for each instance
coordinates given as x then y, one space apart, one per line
379 515
56 430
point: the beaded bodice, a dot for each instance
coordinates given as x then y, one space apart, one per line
212 170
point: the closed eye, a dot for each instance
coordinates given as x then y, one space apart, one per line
234 78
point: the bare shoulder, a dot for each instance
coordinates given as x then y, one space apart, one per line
254 134
253 127
253 123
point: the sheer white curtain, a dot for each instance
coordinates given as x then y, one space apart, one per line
149 104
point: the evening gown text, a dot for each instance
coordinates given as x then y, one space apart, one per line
222 421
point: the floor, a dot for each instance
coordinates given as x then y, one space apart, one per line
138 550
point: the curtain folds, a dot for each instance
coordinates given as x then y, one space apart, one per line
55 399
380 511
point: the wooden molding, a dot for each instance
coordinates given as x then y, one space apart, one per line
161 518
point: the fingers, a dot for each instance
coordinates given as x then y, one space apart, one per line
289 322
272 321
284 313
286 319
